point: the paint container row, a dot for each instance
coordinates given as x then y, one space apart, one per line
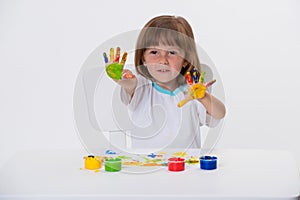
206 163
175 164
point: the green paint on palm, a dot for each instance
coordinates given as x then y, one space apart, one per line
114 71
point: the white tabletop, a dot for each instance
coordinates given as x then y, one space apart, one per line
251 174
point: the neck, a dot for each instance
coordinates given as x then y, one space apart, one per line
169 86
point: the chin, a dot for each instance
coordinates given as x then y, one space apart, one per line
165 80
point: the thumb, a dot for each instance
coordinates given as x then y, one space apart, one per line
127 74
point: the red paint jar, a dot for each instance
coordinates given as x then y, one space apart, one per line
176 164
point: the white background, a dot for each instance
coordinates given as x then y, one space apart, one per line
255 46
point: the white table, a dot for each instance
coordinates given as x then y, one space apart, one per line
248 174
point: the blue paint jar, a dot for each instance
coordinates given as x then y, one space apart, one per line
208 162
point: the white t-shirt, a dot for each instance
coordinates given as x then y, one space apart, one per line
159 122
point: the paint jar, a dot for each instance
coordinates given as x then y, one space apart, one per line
208 162
92 162
176 164
113 164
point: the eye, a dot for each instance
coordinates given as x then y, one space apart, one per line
153 52
173 52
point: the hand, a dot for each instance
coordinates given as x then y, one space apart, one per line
114 68
196 89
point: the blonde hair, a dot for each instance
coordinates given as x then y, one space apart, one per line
167 30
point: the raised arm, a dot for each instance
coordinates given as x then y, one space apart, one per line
213 106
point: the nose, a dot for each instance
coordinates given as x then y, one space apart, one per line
163 58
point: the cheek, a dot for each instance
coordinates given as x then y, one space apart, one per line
150 59
177 66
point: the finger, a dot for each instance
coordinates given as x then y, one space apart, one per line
117 54
127 74
188 78
126 71
124 58
202 77
210 83
182 103
105 58
195 75
111 55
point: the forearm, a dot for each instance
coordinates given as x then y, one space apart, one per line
214 106
129 85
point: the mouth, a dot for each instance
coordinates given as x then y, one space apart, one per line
163 70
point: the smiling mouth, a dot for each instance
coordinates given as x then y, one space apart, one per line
163 70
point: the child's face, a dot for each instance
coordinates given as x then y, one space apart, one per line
164 63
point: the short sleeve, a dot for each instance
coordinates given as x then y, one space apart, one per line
140 103
211 121
140 90
204 117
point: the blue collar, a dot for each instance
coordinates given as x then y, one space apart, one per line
165 91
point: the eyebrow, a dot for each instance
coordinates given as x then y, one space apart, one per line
166 48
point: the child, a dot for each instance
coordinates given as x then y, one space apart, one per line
165 54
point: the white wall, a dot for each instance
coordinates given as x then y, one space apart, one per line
255 46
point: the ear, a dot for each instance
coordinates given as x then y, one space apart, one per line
185 63
143 61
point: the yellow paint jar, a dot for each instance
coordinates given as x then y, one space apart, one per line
92 162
